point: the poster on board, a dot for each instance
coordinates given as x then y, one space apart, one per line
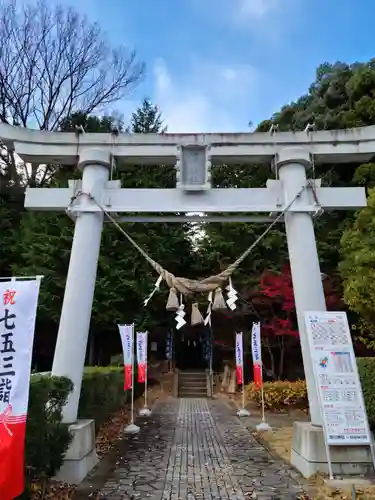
337 379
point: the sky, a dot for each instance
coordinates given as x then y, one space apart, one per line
216 65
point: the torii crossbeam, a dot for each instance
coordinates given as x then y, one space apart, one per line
193 155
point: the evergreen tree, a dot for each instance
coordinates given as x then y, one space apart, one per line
147 119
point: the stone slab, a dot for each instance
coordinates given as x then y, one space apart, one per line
309 454
81 456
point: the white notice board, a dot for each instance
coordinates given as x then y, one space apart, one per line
336 376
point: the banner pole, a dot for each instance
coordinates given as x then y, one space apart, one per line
132 428
263 412
243 412
132 402
146 369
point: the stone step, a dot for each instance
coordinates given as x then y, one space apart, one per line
192 379
191 383
191 394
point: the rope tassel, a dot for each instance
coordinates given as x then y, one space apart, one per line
219 302
196 316
172 302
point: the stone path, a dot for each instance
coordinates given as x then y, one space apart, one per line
194 449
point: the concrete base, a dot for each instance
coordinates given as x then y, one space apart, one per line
131 429
81 456
263 427
347 482
145 412
309 454
242 412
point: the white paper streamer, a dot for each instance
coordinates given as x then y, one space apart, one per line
156 288
232 296
180 314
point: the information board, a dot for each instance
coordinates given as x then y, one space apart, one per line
336 376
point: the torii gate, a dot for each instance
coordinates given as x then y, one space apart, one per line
193 155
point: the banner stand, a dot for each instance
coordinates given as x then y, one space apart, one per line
145 411
264 425
242 412
132 428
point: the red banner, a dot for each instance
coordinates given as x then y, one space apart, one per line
128 377
258 379
239 374
141 374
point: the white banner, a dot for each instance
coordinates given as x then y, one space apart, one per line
19 301
127 333
256 344
142 348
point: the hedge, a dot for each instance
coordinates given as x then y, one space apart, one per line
366 368
284 395
47 438
103 393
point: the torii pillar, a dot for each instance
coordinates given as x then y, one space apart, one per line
71 345
308 452
292 164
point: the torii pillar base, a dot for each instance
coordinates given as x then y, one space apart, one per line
309 454
81 456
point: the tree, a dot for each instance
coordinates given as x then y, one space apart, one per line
54 62
357 269
147 119
275 304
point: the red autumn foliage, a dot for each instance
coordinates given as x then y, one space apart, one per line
277 297
276 294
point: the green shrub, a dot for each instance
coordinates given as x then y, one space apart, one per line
103 393
47 438
366 368
280 395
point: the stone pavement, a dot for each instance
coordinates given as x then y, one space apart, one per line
195 449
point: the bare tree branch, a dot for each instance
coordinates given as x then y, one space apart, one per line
53 63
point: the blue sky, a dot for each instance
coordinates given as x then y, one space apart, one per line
214 65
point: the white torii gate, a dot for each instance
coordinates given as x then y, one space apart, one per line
193 155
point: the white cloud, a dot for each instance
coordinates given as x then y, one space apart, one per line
210 98
266 21
258 9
